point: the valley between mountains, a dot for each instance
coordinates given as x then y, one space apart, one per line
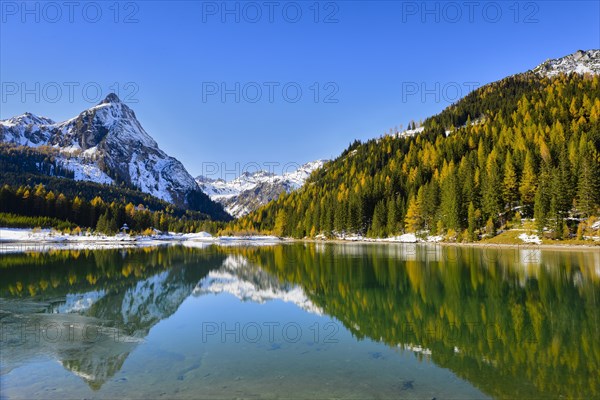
515 161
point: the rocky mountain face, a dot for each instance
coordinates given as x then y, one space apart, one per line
249 191
580 62
106 144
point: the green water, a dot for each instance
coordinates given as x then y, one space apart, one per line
301 321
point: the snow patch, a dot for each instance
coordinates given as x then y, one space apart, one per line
405 238
530 238
410 132
84 171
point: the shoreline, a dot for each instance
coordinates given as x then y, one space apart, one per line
543 246
23 240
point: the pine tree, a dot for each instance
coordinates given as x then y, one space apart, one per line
378 225
62 206
101 224
107 223
50 204
339 216
111 225
413 220
490 227
509 183
528 185
588 183
428 198
76 209
542 200
392 217
450 202
327 223
564 184
472 219
580 229
492 195
280 223
39 200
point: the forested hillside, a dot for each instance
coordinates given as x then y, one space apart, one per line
523 147
28 206
31 166
39 191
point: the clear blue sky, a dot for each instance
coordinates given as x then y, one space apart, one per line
374 58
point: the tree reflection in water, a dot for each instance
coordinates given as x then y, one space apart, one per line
515 321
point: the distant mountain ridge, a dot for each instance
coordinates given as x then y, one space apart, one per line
249 191
108 145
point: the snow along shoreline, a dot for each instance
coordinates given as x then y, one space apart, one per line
22 239
433 241
14 240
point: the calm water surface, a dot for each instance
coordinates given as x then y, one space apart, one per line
301 321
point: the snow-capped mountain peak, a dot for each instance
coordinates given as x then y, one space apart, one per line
106 144
27 119
251 190
111 98
205 179
300 175
581 62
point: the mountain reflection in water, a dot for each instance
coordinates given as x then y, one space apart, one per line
515 321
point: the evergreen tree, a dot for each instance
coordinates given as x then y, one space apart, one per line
428 198
588 195
563 186
413 220
542 200
392 217
472 219
528 185
107 223
379 223
509 183
280 223
492 195
339 218
450 204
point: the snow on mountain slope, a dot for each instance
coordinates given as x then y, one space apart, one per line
580 62
85 170
298 177
26 130
220 189
249 191
106 144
